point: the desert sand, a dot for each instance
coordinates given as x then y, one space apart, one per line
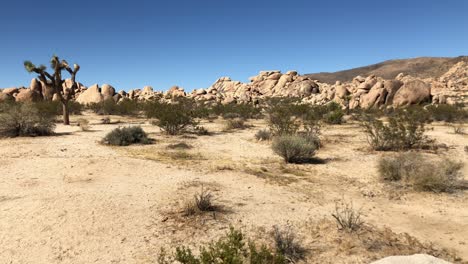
69 199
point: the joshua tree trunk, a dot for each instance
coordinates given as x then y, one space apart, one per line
66 113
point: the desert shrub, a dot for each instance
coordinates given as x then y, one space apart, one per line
263 134
173 119
294 148
413 170
83 124
458 129
447 113
405 130
347 217
281 120
202 202
334 113
126 136
201 131
110 107
181 145
236 123
25 120
56 107
286 243
231 111
232 248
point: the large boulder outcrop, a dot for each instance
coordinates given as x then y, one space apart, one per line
10 91
412 92
6 97
107 91
28 95
91 95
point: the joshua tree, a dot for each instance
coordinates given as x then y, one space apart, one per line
56 81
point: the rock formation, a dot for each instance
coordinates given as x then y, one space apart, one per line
360 92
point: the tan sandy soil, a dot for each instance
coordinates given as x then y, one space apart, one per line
69 199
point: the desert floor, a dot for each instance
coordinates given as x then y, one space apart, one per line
69 199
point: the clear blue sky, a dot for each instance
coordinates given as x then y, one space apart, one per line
191 43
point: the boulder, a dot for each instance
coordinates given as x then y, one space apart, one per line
10 91
6 97
341 91
412 92
375 98
35 85
107 91
47 91
412 259
392 86
91 95
28 95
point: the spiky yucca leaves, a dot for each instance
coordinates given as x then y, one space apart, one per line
56 81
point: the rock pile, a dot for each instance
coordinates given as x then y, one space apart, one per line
361 92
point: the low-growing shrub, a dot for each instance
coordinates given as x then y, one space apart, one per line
287 244
334 113
174 118
282 121
25 120
447 113
413 170
236 123
294 148
232 248
201 131
126 136
181 145
347 217
403 131
83 124
263 135
55 108
231 111
106 120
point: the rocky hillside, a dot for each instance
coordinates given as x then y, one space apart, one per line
450 87
424 67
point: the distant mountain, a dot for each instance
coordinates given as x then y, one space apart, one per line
423 67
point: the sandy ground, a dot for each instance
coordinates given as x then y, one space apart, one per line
69 199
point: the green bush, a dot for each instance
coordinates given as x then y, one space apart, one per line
56 107
110 107
333 113
231 111
126 136
25 120
412 169
281 120
404 130
447 113
294 148
173 119
231 248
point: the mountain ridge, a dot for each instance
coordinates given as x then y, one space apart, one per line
420 67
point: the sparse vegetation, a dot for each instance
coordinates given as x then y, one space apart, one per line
403 131
263 135
235 123
231 248
126 136
447 113
282 120
25 120
287 244
83 124
173 119
181 145
294 148
347 217
110 107
414 170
